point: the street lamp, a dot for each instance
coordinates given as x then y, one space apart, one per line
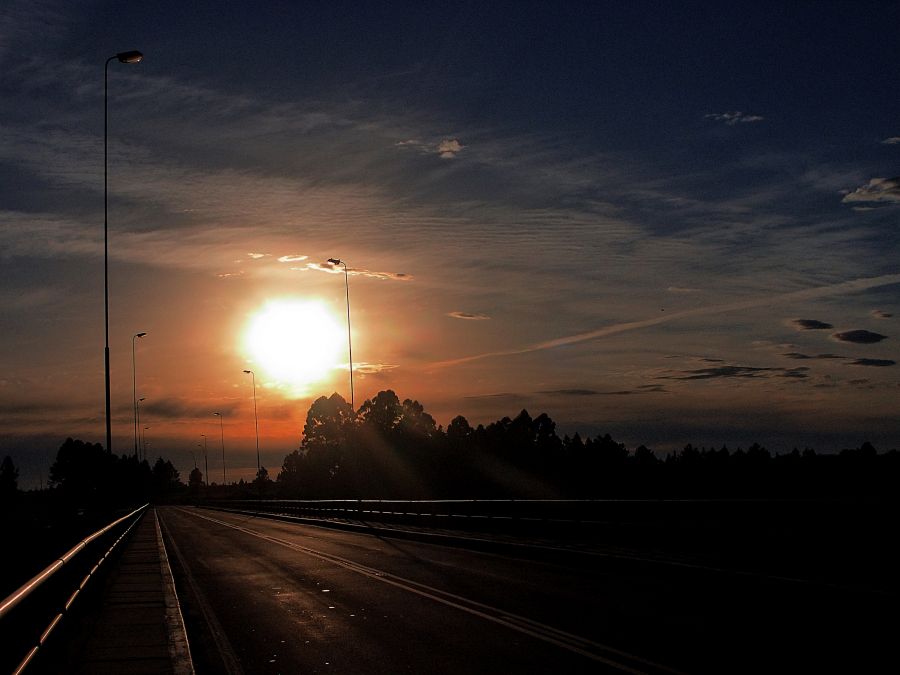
205 459
145 442
134 391
255 417
222 430
138 411
336 261
122 57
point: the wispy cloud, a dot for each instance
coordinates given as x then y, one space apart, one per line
741 372
810 324
449 148
292 258
353 271
877 363
257 256
446 148
881 314
893 140
468 316
877 190
735 117
862 337
852 286
800 357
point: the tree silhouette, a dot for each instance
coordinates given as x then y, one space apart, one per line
9 479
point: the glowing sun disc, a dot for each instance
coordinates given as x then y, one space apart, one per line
296 342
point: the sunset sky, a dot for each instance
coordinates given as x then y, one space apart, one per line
671 222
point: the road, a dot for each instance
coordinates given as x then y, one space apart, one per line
266 596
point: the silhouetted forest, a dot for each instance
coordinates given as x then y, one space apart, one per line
86 475
394 449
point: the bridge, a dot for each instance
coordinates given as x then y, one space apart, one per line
435 587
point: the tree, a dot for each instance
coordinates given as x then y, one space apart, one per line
195 480
165 476
9 479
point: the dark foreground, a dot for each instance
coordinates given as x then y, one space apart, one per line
267 596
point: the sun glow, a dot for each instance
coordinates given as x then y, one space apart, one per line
296 343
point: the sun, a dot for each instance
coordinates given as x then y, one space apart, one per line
296 342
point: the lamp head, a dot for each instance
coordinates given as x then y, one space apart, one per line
139 334
217 414
248 372
133 56
334 261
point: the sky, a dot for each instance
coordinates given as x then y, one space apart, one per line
670 222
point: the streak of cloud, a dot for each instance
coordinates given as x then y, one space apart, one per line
334 269
810 324
860 337
878 363
732 118
292 258
881 314
468 316
852 286
893 140
877 190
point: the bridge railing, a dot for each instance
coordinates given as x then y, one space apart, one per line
30 614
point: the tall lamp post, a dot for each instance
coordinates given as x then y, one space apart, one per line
255 418
205 459
134 401
336 261
121 57
222 430
138 415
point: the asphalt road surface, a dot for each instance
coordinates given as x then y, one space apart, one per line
266 596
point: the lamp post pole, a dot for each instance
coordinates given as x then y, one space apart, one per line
137 408
122 57
222 431
255 418
134 402
145 442
336 261
205 460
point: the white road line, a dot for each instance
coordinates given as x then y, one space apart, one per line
555 636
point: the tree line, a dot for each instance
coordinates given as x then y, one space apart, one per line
393 449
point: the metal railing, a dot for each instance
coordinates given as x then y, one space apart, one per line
28 589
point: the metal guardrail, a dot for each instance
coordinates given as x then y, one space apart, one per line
24 591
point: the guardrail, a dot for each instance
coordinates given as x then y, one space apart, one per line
27 590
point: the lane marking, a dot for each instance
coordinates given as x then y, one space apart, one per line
560 638
229 658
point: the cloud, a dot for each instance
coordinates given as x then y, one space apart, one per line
292 258
828 290
643 389
468 316
872 362
179 408
881 314
228 275
810 324
257 256
878 190
352 271
798 356
373 368
732 118
446 148
741 372
449 147
681 289
861 337
893 140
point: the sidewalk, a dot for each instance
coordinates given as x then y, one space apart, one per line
139 628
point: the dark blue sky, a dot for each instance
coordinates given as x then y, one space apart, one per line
636 200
